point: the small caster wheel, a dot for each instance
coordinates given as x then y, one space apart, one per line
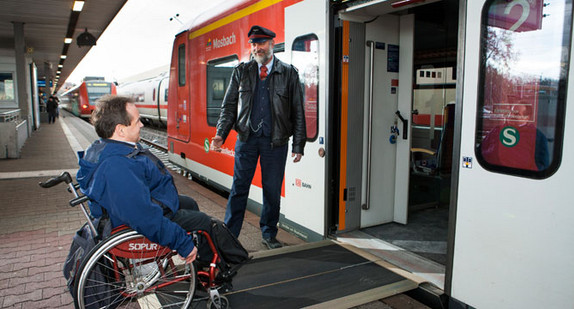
220 303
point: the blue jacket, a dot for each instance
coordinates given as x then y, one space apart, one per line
131 190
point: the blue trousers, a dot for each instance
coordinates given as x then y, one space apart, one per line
272 160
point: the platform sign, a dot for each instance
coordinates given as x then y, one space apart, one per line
516 15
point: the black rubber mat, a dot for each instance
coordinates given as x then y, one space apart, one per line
307 277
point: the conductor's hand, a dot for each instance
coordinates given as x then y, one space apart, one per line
216 143
297 157
191 257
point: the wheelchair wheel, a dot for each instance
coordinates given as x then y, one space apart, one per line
126 270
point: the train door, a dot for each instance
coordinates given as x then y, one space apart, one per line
305 181
180 126
161 99
514 205
376 106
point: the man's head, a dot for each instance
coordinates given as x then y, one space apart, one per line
261 40
117 118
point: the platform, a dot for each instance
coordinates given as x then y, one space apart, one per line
37 229
37 225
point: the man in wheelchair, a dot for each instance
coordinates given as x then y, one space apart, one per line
132 185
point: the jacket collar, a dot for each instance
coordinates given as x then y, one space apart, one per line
278 67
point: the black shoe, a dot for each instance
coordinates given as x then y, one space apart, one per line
272 243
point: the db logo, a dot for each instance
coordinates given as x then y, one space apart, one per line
298 182
143 246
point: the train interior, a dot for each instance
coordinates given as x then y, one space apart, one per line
407 60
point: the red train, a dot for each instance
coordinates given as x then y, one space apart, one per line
201 66
81 99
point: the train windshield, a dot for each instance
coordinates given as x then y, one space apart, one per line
525 49
97 90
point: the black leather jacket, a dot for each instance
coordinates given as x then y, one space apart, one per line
287 110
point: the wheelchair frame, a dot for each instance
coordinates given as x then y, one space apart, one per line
134 268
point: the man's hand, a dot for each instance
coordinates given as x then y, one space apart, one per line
191 257
297 157
216 143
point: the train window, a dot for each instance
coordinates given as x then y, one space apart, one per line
181 64
218 75
279 48
434 93
139 97
305 57
279 52
525 49
7 98
97 90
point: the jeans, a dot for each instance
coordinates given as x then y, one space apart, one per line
272 160
189 217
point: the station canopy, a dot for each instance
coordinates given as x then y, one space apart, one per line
47 23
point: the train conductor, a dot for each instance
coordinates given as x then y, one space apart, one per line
264 104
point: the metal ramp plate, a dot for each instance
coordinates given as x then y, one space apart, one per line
322 274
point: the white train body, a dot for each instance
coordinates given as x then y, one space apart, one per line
150 96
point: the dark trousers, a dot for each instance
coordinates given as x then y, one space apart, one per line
272 160
51 117
189 217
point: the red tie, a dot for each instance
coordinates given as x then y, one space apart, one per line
263 73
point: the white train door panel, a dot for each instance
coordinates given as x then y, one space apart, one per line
386 172
305 181
514 219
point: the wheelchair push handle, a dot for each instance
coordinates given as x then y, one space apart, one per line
64 177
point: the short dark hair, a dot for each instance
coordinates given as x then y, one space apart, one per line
109 112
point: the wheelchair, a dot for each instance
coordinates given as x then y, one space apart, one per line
126 270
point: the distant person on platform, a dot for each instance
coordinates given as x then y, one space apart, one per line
57 106
52 109
132 185
268 111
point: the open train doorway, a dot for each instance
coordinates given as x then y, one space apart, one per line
398 81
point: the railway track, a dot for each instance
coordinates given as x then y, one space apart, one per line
154 137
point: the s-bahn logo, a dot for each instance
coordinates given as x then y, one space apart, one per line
509 136
221 42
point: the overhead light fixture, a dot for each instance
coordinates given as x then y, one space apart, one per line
68 40
78 6
63 57
58 72
60 65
